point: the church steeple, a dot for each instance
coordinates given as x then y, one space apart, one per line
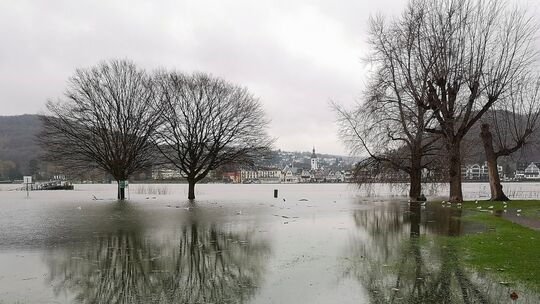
314 161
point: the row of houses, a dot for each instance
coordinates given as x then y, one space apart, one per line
289 175
312 172
523 172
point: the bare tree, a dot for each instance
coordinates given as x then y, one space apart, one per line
513 120
208 123
472 52
390 125
104 122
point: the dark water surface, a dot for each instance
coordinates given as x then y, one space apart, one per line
237 244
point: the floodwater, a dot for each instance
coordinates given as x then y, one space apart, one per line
327 243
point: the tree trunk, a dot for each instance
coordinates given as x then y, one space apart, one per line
454 171
415 188
495 186
454 222
121 191
415 217
191 188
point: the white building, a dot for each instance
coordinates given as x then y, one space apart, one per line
532 171
314 161
260 176
306 176
166 174
289 175
475 171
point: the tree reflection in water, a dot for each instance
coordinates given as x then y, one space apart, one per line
397 265
199 264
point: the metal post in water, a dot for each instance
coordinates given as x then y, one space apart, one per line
27 180
275 193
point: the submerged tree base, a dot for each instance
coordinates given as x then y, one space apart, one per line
500 198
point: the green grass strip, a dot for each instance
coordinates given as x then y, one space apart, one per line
510 250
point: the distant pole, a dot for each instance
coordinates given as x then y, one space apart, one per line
27 180
275 193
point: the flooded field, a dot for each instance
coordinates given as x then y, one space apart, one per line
327 243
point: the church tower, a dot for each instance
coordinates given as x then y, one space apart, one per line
314 161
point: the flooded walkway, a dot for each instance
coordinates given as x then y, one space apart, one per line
524 221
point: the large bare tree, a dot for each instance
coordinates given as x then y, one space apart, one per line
513 121
389 125
208 123
472 52
104 122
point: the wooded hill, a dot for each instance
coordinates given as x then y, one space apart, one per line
18 144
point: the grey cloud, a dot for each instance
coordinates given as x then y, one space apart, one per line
295 56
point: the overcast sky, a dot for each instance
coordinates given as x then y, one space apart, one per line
295 56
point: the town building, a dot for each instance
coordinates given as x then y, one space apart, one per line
532 171
479 172
263 176
314 161
289 175
166 173
232 177
520 170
